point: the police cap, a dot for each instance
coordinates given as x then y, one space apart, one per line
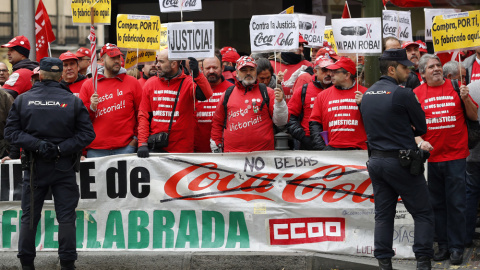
51 64
398 55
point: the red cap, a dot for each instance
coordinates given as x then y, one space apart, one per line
67 55
21 41
111 50
225 49
422 46
229 54
327 52
82 52
345 63
323 61
408 43
246 61
19 81
301 39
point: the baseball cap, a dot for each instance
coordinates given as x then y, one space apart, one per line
19 81
302 40
20 44
246 61
229 54
408 43
399 55
345 63
111 50
51 64
323 61
327 52
68 55
422 46
82 52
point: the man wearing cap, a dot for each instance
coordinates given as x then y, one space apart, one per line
393 117
472 64
71 78
4 74
422 47
335 111
18 52
413 54
249 114
113 107
301 105
148 71
84 59
166 116
52 126
447 141
229 58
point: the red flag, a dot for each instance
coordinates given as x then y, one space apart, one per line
409 3
346 11
93 65
43 31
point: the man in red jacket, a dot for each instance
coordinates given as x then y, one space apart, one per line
336 111
70 77
113 108
166 119
249 118
212 69
149 70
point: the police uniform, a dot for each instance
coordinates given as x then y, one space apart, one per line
51 125
389 112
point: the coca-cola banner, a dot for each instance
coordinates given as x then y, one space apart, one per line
277 201
430 14
397 24
180 5
312 28
269 33
359 35
191 39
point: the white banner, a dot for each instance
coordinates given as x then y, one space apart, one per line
269 33
277 201
430 13
312 29
397 24
191 39
180 5
359 35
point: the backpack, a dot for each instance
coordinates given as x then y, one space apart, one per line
303 94
472 126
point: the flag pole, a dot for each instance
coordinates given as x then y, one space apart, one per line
348 8
93 50
460 67
49 51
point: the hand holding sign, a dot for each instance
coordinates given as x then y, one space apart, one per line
94 102
358 97
278 95
280 76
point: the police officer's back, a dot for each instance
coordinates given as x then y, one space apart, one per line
393 117
51 125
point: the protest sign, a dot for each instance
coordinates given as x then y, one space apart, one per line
288 10
138 32
167 6
81 11
163 36
191 39
312 29
430 14
397 24
359 35
132 59
328 37
456 31
270 33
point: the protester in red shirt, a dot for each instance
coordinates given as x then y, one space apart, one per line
229 58
84 59
336 111
113 108
70 76
447 141
472 64
170 92
413 54
249 119
149 70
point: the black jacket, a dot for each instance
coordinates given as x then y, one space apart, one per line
25 63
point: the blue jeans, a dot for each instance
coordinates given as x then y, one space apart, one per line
93 153
446 183
473 195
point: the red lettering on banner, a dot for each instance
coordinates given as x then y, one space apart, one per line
291 231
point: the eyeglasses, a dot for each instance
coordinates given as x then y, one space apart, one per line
4 70
340 71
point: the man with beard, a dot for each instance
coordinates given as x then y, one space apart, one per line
301 104
3 73
166 119
148 70
413 54
113 108
18 52
335 110
212 69
244 124
71 78
412 81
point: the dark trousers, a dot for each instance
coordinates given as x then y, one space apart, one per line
446 183
473 195
390 180
66 195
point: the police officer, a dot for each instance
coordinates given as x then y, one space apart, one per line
393 117
51 125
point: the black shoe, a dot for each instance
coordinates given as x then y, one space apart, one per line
441 255
385 264
27 265
424 263
67 265
456 257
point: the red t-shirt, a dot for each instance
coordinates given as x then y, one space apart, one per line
290 70
446 127
295 104
475 71
204 115
76 87
339 114
303 79
115 121
142 81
